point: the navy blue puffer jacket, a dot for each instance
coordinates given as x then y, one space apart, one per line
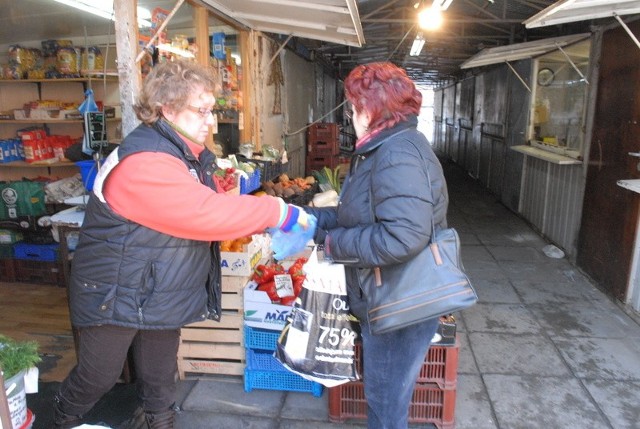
386 207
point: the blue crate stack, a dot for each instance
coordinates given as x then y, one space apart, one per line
264 371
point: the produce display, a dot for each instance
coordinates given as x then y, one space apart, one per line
234 245
286 187
281 285
226 179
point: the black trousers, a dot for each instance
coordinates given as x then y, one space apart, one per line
101 355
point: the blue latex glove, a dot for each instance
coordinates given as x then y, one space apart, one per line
284 244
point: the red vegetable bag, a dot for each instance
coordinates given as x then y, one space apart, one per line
318 339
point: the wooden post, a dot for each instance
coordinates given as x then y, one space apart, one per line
201 21
130 81
247 133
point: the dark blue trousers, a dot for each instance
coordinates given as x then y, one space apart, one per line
391 365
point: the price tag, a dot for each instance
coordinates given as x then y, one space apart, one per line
224 163
284 285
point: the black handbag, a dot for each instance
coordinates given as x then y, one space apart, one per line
397 300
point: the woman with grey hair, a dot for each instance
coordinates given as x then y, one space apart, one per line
148 258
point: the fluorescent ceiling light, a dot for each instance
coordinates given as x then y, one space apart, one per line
417 45
444 4
104 9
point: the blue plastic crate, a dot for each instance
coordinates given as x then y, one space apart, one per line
250 184
36 252
264 371
260 339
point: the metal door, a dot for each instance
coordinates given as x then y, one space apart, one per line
610 213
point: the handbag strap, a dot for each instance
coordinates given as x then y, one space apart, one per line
433 224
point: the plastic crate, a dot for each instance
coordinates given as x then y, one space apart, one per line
317 163
323 148
440 365
36 252
430 404
7 270
269 169
250 184
323 131
264 371
6 251
260 339
39 272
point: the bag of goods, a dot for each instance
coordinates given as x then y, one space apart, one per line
318 340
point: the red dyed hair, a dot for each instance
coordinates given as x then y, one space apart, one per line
384 91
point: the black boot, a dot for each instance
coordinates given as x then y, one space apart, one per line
62 420
160 420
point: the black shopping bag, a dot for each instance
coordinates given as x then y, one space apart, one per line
318 340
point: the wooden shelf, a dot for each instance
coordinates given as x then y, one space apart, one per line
66 79
551 157
37 164
48 121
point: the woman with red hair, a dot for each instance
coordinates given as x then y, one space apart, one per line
383 220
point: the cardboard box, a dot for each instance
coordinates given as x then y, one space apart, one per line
241 263
260 312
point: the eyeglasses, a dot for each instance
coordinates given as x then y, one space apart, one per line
348 111
202 111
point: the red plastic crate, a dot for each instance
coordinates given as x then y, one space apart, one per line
323 131
430 404
317 163
7 270
440 365
39 272
322 148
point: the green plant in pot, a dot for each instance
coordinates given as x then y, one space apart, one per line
17 356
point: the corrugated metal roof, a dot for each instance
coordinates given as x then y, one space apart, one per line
335 21
566 11
520 51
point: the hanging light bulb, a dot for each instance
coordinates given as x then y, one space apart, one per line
430 18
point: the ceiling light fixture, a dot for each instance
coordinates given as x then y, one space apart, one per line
417 45
104 9
430 18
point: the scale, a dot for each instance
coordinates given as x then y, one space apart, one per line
95 131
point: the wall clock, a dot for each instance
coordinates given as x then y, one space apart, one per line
545 76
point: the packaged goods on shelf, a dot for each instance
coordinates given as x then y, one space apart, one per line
23 60
11 150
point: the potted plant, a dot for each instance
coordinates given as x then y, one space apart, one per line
16 358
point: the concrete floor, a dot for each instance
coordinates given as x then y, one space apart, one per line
543 348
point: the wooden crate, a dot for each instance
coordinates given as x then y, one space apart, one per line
211 347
